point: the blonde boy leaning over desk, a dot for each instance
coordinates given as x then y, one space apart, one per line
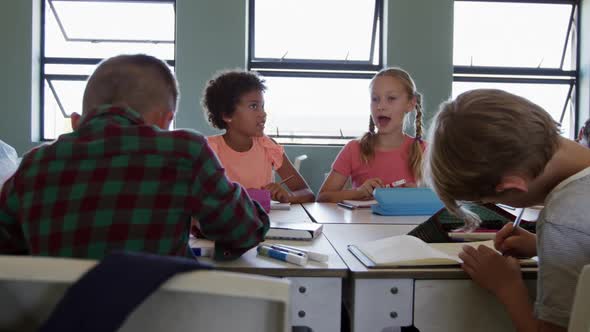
492 146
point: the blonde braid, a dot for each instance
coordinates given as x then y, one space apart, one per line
368 142
415 160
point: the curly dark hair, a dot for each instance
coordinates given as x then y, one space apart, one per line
223 92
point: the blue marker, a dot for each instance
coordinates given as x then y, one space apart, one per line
202 252
281 255
289 250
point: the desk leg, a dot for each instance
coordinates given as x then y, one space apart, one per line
381 305
316 303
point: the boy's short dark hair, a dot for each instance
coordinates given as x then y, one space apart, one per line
223 92
138 81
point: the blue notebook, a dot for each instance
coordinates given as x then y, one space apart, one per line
405 202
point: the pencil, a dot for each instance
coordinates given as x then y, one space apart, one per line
287 179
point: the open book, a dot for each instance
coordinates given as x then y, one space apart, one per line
294 231
409 251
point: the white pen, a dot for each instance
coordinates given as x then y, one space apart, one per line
314 256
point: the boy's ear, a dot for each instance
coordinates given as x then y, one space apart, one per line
75 120
512 182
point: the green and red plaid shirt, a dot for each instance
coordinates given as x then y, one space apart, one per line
117 183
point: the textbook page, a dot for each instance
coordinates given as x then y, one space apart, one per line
405 250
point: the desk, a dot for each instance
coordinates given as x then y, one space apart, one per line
316 289
431 299
331 213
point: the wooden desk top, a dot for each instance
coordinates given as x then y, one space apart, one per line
251 262
342 235
331 213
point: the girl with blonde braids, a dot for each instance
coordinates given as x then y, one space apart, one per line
385 154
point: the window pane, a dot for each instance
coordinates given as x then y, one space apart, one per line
311 29
550 97
54 121
59 69
510 34
100 21
317 106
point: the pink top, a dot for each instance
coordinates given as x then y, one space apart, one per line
253 168
389 165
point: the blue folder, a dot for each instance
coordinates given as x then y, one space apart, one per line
406 202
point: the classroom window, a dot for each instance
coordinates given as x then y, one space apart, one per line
317 58
77 35
496 47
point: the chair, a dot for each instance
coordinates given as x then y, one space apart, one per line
298 160
30 287
580 317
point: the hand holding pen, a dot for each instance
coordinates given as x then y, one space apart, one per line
515 241
277 192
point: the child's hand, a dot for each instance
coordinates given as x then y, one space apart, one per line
277 192
516 242
496 273
366 190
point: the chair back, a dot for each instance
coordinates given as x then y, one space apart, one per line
30 287
580 316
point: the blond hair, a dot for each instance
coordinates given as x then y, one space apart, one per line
369 139
138 81
481 136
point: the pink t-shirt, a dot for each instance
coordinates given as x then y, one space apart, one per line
253 168
389 166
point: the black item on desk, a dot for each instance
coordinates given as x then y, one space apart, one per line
437 227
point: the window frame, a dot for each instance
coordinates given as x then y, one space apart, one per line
78 61
499 74
318 68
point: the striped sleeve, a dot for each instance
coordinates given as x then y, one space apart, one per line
225 212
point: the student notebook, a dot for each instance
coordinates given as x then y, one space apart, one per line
360 204
275 205
409 251
294 231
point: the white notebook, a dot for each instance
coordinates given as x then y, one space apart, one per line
276 205
294 231
409 251
360 204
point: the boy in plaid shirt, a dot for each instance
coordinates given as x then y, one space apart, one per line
121 180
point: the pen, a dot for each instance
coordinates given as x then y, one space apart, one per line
398 183
314 256
287 179
518 219
284 256
345 205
